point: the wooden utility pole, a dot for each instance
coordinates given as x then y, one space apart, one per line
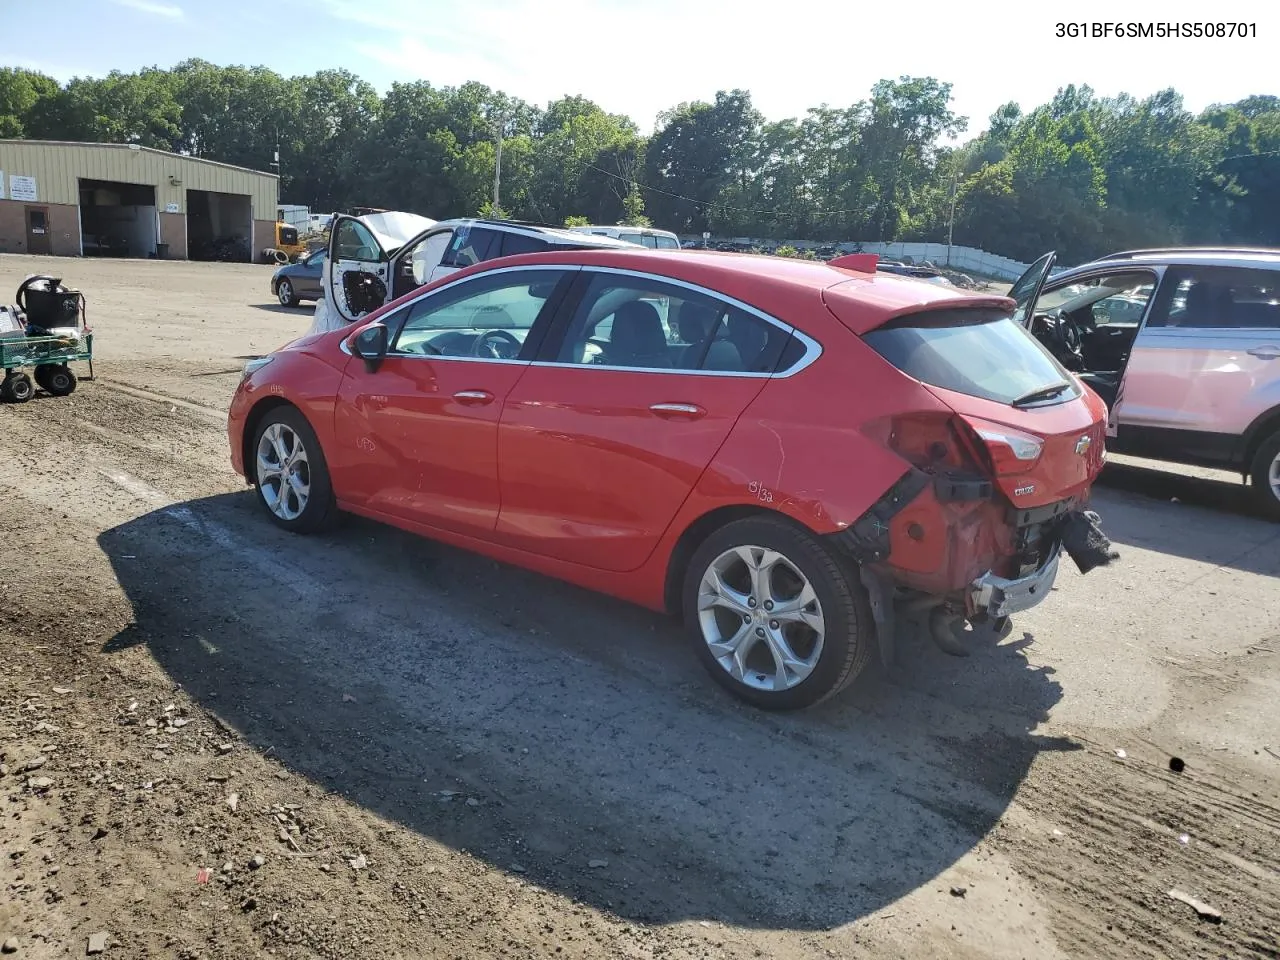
498 130
951 218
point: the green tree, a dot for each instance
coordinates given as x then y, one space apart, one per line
21 91
699 151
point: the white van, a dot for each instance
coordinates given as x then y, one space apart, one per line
644 236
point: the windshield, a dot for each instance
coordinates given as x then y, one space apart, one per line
980 352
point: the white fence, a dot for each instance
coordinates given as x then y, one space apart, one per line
964 259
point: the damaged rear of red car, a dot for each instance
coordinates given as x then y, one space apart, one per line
999 446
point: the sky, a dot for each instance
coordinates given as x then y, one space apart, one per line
639 57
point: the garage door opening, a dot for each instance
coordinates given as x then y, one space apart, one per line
118 219
219 226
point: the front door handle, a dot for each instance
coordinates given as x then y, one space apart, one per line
677 411
474 398
1265 353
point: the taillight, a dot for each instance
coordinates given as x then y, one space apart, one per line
928 440
1010 451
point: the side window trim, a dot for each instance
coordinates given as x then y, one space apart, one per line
549 349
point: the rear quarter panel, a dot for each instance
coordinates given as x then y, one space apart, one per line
799 447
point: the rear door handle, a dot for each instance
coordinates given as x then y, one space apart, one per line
473 398
677 411
1265 353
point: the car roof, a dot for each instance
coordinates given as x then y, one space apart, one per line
1265 257
620 227
862 301
554 234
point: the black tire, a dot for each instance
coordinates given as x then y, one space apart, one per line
41 376
59 381
286 294
1264 494
849 630
17 388
320 509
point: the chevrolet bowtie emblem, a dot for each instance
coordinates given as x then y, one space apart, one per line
1082 445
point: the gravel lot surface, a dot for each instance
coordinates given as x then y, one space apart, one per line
221 741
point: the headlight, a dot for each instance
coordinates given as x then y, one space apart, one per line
253 366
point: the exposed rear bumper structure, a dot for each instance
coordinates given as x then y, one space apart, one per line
999 597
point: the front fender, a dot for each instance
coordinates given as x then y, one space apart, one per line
306 375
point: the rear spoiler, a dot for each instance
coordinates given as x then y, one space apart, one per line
861 262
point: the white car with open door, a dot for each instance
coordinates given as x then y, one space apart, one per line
1183 344
372 261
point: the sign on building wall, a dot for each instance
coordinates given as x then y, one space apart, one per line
173 208
22 188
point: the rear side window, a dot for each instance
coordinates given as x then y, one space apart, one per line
1209 297
979 352
638 322
666 243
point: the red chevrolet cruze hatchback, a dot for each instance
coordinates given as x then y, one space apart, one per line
789 454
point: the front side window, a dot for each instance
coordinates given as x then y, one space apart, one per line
470 245
1116 299
488 317
641 323
1233 298
355 242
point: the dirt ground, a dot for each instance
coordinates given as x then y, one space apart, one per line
220 741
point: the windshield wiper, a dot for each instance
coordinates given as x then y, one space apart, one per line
1041 393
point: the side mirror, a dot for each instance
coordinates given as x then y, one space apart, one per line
371 345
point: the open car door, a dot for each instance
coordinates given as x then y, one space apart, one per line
358 269
1026 289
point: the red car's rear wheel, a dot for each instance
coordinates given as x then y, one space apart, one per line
775 616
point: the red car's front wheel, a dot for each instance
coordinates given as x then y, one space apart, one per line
290 473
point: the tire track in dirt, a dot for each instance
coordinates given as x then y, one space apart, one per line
470 679
706 811
1119 852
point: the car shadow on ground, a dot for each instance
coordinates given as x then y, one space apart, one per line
390 669
280 308
1161 508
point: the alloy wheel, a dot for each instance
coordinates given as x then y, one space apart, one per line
285 292
284 471
1273 477
761 618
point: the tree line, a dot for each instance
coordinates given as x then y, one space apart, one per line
1081 174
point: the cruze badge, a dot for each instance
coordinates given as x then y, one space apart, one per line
1023 491
1082 445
